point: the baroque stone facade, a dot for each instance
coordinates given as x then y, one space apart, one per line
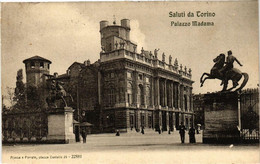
127 90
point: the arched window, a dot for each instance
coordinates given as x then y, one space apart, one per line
111 96
130 97
140 94
185 103
121 91
32 65
148 96
161 93
169 95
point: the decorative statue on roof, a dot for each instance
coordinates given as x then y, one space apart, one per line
170 59
156 52
185 69
189 70
122 44
151 55
176 62
163 57
116 44
134 48
226 72
142 50
57 93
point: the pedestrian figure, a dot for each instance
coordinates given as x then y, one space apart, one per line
169 131
197 129
192 135
117 133
84 135
142 130
182 132
159 131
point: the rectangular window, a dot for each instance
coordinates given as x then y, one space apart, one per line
32 65
131 121
41 65
150 121
142 121
140 77
128 98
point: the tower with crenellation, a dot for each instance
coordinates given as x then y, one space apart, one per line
36 68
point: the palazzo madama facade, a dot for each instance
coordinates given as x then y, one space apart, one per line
137 89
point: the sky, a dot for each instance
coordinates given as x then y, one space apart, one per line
69 32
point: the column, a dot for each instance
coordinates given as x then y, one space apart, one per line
176 96
182 97
167 120
165 93
157 120
188 98
144 91
173 121
152 92
137 120
172 94
179 95
135 87
191 100
99 88
157 92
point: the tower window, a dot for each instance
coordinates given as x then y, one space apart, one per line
41 65
32 65
48 66
140 77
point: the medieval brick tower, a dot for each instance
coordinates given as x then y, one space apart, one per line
36 67
114 37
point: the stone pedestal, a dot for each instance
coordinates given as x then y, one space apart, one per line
221 118
60 125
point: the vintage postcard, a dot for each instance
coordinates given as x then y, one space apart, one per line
130 82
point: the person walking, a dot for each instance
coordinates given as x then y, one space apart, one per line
182 129
142 130
117 133
192 135
84 135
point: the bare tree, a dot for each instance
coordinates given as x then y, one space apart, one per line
10 96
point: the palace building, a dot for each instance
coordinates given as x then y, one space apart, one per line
126 90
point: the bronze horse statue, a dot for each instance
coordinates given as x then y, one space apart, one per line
216 73
57 92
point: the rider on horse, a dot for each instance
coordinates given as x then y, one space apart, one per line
226 72
229 65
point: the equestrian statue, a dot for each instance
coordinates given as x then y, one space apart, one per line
56 93
225 71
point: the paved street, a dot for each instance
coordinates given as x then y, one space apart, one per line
132 148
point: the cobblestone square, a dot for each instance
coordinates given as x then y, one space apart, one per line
132 148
